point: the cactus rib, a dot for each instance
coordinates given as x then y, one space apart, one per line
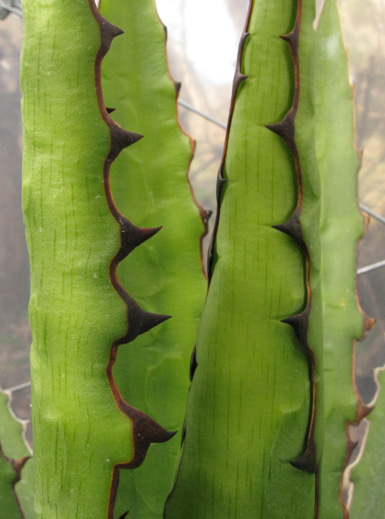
79 312
148 184
341 222
242 429
145 430
239 77
293 227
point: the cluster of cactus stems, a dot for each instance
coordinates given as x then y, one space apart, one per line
113 237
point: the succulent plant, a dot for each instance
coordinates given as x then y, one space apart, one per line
114 235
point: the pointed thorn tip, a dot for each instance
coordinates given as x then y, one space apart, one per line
307 462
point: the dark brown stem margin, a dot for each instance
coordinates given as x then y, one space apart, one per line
17 466
239 78
362 410
293 227
144 429
205 215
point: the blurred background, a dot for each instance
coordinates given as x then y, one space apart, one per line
202 46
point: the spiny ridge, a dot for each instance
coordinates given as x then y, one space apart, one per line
308 460
293 39
209 261
145 432
144 429
286 130
241 48
16 464
19 464
243 39
183 435
132 236
193 363
221 181
108 32
300 325
239 76
139 320
293 228
238 79
120 139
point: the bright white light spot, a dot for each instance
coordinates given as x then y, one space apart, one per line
208 33
332 45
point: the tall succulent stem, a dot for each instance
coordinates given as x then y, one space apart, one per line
149 185
341 228
79 312
253 428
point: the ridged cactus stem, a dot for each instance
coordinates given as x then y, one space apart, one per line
79 312
297 226
149 185
254 415
341 228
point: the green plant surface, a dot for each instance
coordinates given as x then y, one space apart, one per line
84 432
13 456
307 324
149 185
341 229
251 417
367 474
8 476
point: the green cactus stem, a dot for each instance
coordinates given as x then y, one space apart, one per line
297 131
341 229
13 457
253 429
9 476
367 474
148 183
79 312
